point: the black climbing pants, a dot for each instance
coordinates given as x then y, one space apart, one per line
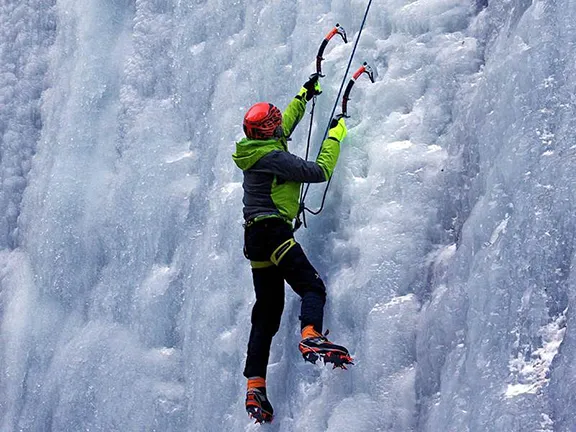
261 240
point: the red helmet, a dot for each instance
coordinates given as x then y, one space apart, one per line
263 121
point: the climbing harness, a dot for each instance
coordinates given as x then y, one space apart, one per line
282 250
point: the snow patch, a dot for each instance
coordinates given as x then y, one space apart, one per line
446 254
399 145
434 148
157 282
188 155
197 49
501 228
530 375
394 302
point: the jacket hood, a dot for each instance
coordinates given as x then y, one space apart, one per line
248 151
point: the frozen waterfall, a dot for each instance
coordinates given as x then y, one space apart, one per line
447 243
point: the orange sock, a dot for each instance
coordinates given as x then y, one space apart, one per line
256 382
308 332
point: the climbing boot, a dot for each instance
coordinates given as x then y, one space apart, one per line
257 404
314 345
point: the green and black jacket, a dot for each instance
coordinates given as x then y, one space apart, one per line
273 176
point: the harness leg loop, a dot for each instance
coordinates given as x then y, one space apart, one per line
281 251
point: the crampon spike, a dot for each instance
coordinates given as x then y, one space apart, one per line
338 360
258 415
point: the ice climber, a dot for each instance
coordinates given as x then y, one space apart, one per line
272 180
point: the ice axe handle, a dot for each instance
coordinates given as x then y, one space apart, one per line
346 98
319 57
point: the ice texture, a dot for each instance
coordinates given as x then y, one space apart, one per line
446 244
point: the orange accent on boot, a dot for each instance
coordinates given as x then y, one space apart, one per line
256 382
309 332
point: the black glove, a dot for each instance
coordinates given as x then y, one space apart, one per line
312 86
335 120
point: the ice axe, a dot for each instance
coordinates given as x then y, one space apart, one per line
338 29
364 69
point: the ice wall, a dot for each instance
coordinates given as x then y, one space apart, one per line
509 285
446 243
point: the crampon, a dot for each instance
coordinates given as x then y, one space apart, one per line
313 348
258 407
337 360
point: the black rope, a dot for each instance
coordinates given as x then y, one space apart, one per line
301 205
304 191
